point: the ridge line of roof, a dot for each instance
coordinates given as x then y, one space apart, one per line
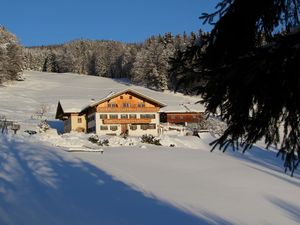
126 90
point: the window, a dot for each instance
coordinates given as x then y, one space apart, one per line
148 126
121 97
103 116
130 97
173 117
132 116
141 104
79 120
133 127
103 128
181 117
113 128
147 116
113 116
124 116
112 105
144 126
151 126
126 105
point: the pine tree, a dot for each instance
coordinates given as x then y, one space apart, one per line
10 56
252 85
151 66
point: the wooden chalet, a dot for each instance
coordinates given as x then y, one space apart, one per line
125 112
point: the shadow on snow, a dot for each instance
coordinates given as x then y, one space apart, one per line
44 186
289 209
266 159
56 124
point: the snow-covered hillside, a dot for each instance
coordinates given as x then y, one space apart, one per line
41 184
20 100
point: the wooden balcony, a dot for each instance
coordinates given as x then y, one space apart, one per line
129 109
126 121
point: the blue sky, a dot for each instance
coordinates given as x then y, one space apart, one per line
40 22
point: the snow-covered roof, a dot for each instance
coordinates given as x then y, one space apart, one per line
182 108
74 105
79 105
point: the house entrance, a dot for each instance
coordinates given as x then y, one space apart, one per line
124 128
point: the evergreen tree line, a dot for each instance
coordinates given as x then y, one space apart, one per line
10 56
146 64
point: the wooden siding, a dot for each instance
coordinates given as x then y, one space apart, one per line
126 121
182 117
133 104
128 109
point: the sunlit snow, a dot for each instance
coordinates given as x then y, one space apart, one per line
131 182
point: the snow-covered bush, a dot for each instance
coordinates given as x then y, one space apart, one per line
213 125
43 126
150 139
96 140
104 142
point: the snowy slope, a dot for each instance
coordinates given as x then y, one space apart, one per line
21 99
41 184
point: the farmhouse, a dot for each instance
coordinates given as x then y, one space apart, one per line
125 112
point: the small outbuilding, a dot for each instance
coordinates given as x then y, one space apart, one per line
69 111
187 114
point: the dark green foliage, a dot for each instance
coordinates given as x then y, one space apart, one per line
94 139
150 139
104 142
253 85
30 132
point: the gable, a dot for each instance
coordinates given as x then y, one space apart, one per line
59 112
67 106
128 100
128 96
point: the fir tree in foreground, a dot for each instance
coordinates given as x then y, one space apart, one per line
249 75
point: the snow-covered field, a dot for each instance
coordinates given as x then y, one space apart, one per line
131 182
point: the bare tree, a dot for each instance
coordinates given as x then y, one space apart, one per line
41 112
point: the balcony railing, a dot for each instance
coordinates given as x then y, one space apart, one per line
128 109
126 121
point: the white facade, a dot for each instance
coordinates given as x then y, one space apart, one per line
96 123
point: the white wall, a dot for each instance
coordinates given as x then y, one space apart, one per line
137 132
